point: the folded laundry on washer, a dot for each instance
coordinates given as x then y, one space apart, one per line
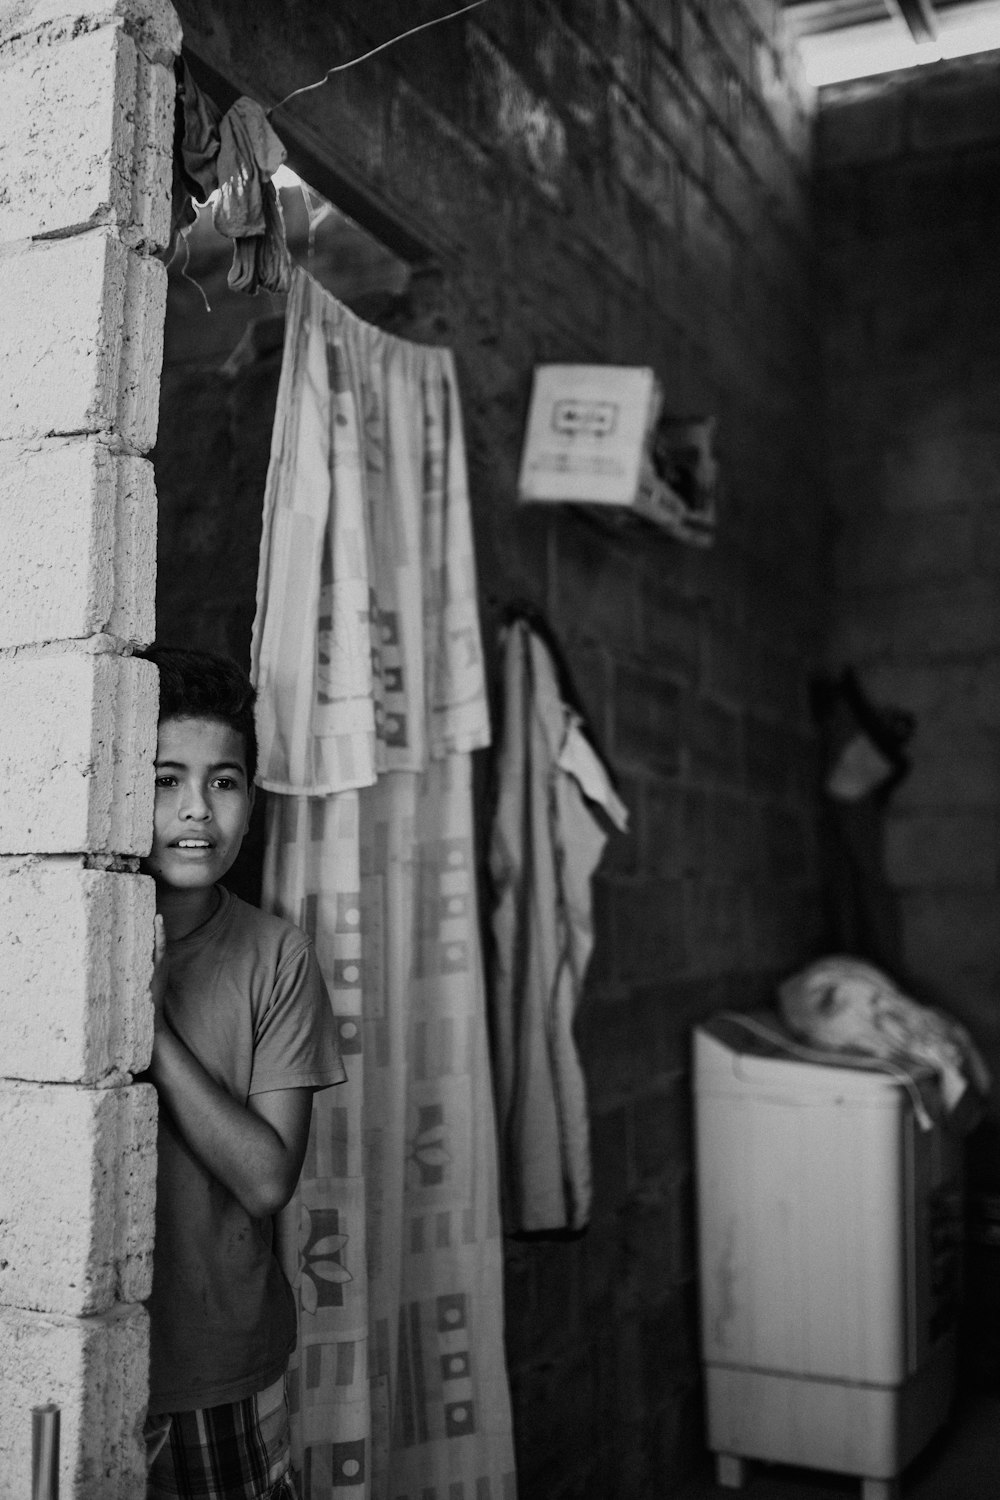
842 1004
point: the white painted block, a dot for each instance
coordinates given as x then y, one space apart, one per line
152 153
79 529
62 336
77 742
76 1010
153 24
133 603
138 410
71 362
77 1195
86 137
66 143
96 1371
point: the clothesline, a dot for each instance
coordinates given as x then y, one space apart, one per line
382 46
230 158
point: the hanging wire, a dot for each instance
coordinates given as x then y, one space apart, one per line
184 269
341 67
316 208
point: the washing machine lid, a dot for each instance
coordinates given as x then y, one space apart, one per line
736 1052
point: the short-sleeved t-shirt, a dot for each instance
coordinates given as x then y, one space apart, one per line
247 998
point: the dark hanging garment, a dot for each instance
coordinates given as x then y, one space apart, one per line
864 761
234 155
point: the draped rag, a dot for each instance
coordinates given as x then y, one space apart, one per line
368 663
545 846
232 156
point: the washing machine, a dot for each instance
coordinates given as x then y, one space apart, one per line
829 1226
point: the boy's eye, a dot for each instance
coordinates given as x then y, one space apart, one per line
225 783
165 780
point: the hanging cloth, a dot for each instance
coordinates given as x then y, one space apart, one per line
367 658
233 155
546 842
366 643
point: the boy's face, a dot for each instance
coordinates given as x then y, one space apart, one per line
203 803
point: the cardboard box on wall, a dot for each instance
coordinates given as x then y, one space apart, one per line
597 435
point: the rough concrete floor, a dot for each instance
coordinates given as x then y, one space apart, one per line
961 1463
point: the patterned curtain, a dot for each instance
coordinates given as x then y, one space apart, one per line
368 663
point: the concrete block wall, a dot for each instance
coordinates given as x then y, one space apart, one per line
619 182
910 226
86 118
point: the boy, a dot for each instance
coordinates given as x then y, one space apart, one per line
243 1034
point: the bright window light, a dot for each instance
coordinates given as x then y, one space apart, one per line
860 51
284 177
887 46
969 28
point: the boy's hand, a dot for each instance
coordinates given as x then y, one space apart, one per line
161 969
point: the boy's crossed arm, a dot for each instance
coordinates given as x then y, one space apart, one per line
255 1151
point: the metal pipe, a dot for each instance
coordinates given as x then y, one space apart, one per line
45 1452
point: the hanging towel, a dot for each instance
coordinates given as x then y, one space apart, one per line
546 842
366 646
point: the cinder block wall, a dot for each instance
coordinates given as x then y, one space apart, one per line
911 235
86 116
616 182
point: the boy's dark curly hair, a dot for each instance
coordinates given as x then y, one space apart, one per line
202 685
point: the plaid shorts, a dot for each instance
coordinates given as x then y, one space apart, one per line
234 1452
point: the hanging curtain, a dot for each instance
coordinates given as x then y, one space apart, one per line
368 663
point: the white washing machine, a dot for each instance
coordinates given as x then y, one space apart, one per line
829 1215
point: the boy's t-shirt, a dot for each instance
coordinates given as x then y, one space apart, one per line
247 998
